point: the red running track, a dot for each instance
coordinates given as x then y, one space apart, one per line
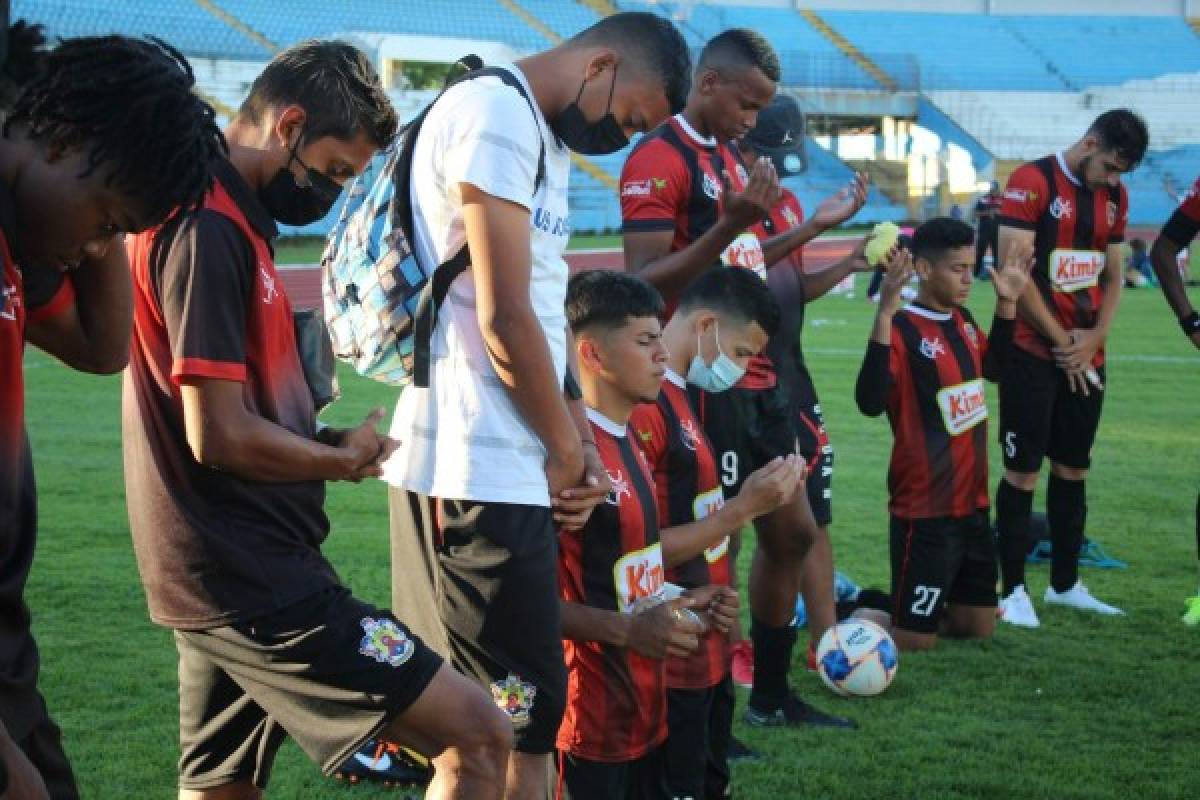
304 285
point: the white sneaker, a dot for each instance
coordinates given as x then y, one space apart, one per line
1017 609
1079 597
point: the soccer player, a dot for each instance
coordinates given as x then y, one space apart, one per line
1071 208
618 625
225 469
925 366
74 178
493 454
723 320
1176 237
987 232
687 204
789 408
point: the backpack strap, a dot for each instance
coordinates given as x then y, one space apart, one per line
438 284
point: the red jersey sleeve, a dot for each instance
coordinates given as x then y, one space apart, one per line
1025 198
1117 234
60 301
1183 225
655 185
650 428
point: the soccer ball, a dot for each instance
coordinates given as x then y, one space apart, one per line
857 658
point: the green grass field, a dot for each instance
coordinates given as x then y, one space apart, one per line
1082 708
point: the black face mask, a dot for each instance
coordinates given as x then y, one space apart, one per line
293 204
590 138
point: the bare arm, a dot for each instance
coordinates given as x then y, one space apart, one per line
832 211
498 235
1165 257
1031 307
223 434
1112 280
93 334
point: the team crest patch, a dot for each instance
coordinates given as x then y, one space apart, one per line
1061 208
620 488
688 434
932 348
710 186
971 334
741 173
514 697
791 217
1110 212
384 641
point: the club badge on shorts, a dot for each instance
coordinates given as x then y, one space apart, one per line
385 642
515 698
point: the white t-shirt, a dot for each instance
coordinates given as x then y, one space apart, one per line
462 438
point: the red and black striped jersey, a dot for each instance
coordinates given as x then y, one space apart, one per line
616 699
1073 227
1183 225
673 181
783 356
688 489
938 411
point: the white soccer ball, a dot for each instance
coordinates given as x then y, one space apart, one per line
857 658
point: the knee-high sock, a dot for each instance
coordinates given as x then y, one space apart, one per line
1013 507
1066 511
772 661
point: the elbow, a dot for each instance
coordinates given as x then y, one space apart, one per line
107 365
211 445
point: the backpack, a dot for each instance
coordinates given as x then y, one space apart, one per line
380 301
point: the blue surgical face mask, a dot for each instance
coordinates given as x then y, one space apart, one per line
722 374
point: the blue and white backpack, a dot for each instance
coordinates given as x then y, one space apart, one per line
381 302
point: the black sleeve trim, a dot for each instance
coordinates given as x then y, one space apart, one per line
1181 229
1012 222
874 379
644 225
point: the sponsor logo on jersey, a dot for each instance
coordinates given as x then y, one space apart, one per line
746 251
932 348
711 187
791 217
643 188
268 283
1061 208
963 406
707 503
1016 195
638 578
1072 270
9 303
514 697
385 642
620 488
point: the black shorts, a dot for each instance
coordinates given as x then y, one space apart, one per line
330 671
939 561
495 590
643 778
747 428
700 722
42 745
1041 417
818 454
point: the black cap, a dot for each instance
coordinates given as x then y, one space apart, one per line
779 135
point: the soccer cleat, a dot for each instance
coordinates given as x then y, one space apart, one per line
845 590
795 713
1192 615
1079 597
1017 609
1041 552
740 751
1093 555
743 663
386 763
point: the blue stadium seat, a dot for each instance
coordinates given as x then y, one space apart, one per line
182 23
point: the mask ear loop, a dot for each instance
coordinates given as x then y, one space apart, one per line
612 88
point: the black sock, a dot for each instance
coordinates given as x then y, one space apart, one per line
1066 511
875 599
772 660
1012 531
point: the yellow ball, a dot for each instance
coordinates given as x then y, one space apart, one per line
883 238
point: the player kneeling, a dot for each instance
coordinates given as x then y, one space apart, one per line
925 366
618 623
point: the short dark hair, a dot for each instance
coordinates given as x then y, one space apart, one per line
933 238
1123 132
606 300
335 84
651 42
738 48
129 105
735 292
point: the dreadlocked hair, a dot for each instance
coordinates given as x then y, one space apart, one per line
128 103
26 53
